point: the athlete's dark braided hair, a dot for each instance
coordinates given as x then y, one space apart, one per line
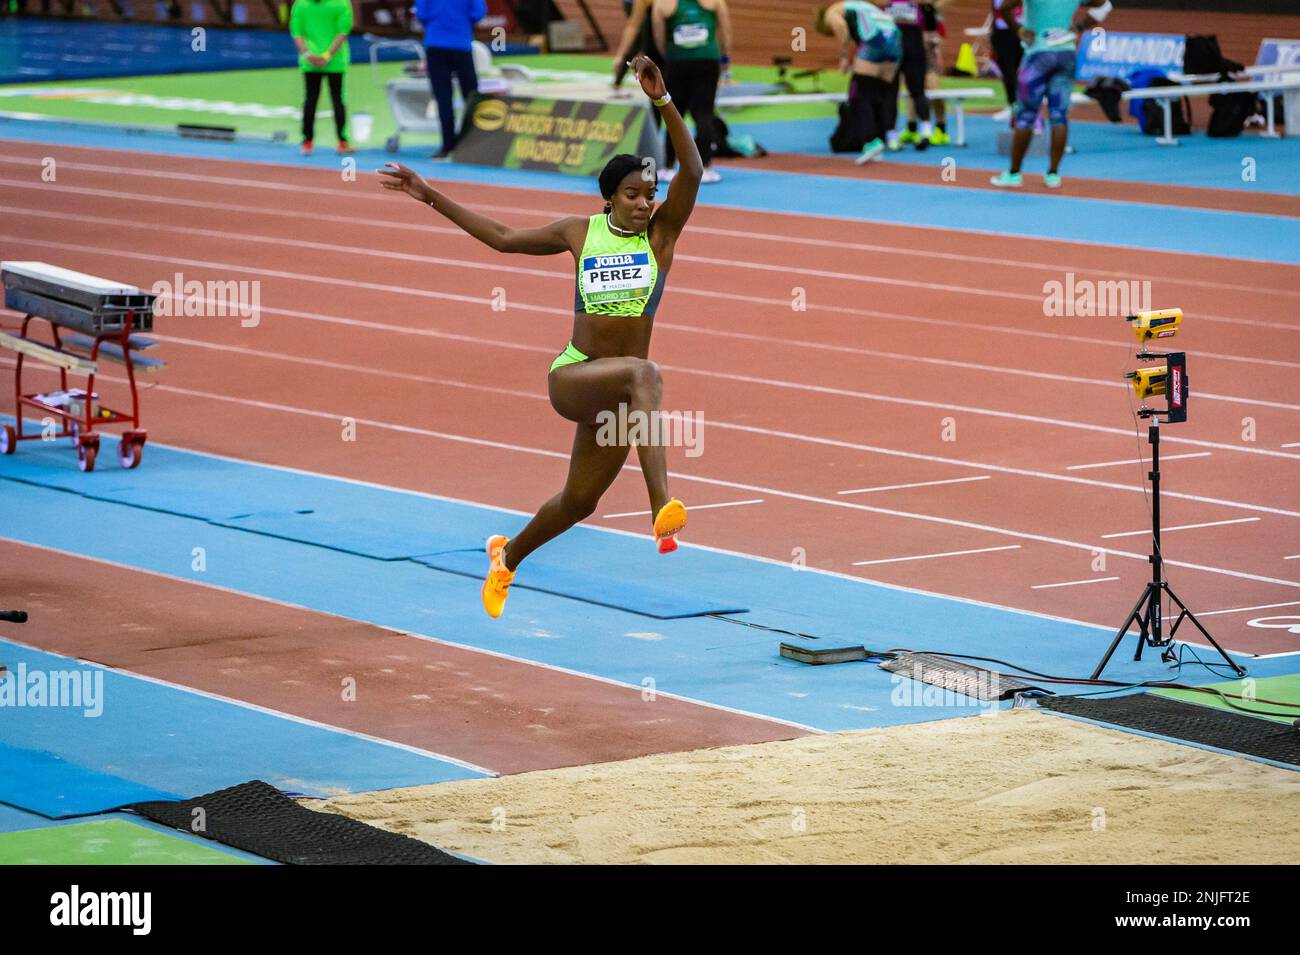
615 171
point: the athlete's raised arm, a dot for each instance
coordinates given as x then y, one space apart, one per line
671 216
558 236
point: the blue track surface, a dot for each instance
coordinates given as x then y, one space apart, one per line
700 658
45 783
1134 225
183 742
1102 151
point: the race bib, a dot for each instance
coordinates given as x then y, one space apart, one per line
1057 37
903 11
616 278
690 34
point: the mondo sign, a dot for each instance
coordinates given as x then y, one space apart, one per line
1109 53
568 136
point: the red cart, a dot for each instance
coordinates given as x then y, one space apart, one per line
98 319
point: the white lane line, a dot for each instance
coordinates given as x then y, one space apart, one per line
748 379
1181 527
242 704
750 429
419 635
716 550
714 482
1110 464
693 507
1212 613
1293 444
782 238
1073 583
759 300
951 553
898 487
1292 557
681 289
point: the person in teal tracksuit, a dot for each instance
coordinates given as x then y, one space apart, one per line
320 30
1050 31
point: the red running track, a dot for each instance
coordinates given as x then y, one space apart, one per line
922 356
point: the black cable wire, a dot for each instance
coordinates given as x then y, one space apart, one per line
761 626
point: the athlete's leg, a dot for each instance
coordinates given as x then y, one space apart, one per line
594 391
335 81
677 84
1060 86
1032 91
312 79
913 66
592 469
703 95
584 393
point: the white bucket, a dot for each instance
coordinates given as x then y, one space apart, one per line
362 125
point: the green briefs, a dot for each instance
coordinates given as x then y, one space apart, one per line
570 356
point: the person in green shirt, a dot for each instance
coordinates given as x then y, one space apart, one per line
320 30
695 36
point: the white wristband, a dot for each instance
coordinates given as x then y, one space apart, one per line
1100 13
663 102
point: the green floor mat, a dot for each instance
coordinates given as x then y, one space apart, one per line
107 842
1283 689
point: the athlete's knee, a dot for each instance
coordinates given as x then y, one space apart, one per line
645 383
578 505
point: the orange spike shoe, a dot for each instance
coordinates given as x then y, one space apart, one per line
497 586
668 522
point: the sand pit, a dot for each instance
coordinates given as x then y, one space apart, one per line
1019 786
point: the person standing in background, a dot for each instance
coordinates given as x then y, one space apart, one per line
1050 32
320 30
1004 34
907 15
695 36
933 33
448 35
638 37
870 49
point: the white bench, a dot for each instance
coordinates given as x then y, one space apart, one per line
957 97
1287 82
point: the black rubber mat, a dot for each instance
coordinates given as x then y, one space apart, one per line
1189 722
972 681
258 818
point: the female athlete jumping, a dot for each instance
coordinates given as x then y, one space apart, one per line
623 255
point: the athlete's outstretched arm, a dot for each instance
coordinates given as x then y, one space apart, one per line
676 209
544 240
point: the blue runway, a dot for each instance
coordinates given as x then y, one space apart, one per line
1113 224
703 659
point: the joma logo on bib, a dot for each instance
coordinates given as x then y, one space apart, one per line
616 278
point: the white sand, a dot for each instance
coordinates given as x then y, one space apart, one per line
1019 786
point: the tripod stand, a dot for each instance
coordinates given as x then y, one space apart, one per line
1146 612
